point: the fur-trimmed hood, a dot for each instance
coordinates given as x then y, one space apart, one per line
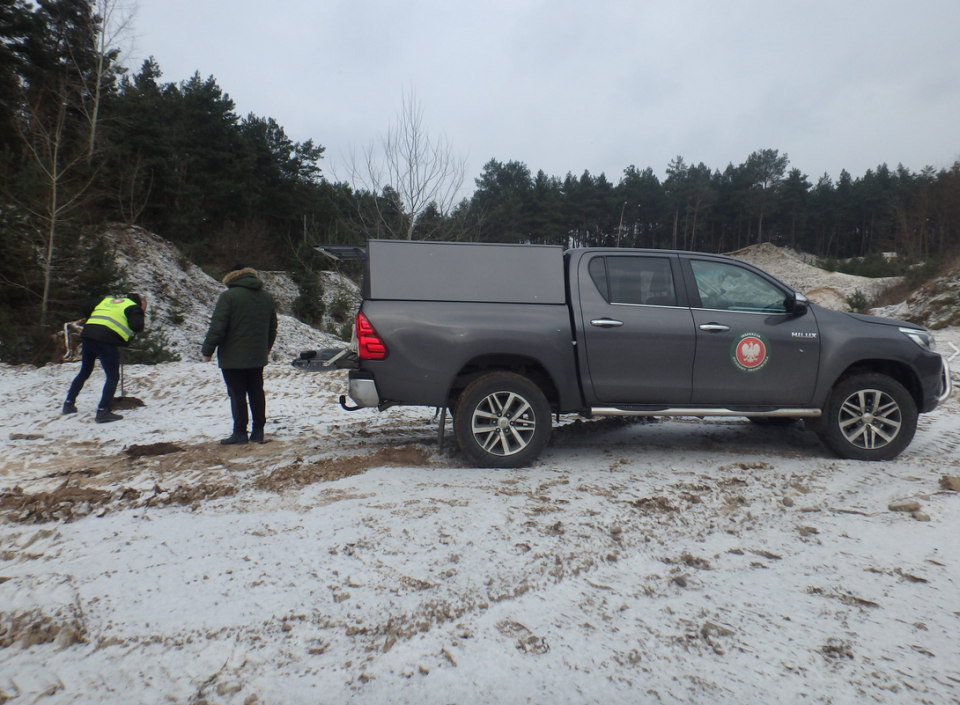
247 277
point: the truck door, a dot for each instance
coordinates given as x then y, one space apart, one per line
750 350
638 331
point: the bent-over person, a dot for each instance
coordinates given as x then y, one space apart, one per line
242 330
109 326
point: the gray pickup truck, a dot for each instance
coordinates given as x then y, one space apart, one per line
506 336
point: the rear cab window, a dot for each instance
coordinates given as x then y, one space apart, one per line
644 281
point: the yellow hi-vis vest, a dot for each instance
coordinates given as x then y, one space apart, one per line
110 313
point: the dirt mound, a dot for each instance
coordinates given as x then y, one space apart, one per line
151 449
330 469
123 403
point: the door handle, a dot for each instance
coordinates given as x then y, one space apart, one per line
714 327
606 323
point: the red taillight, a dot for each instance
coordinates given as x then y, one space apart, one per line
370 345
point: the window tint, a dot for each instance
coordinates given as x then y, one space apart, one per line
634 280
727 287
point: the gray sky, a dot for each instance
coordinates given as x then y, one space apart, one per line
591 85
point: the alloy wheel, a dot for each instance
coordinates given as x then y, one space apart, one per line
503 423
870 419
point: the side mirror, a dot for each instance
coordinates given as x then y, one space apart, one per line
797 303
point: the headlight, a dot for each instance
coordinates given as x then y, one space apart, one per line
922 338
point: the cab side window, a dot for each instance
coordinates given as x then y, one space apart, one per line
727 287
645 281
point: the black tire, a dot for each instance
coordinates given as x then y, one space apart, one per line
502 421
868 417
772 421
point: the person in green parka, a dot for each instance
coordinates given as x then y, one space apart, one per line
242 330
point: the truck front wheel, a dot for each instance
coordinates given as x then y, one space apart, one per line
502 420
868 417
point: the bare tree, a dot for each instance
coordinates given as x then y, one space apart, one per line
44 132
410 174
133 189
113 25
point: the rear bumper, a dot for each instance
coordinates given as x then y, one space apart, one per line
363 389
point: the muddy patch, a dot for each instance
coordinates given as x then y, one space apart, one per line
66 503
70 502
184 495
330 469
34 627
653 504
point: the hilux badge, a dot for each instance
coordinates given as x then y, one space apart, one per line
750 352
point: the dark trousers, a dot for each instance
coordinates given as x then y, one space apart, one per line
109 356
243 385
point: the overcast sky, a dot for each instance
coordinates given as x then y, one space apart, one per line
597 85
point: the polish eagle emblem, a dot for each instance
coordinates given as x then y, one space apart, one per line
750 352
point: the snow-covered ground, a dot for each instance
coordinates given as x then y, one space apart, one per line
349 559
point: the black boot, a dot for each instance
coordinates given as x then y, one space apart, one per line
237 439
256 434
105 416
69 408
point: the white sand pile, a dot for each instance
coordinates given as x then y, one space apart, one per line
829 289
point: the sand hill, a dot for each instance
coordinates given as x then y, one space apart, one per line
182 296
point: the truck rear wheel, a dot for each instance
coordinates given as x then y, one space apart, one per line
502 420
868 417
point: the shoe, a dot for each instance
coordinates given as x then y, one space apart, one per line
69 408
237 439
104 416
256 435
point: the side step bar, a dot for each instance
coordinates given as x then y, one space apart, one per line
687 411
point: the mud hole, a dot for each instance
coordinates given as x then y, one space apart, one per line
329 469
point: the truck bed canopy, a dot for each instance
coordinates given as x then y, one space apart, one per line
419 270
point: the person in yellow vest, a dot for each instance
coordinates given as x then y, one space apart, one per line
110 325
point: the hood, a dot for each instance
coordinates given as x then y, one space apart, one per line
884 321
246 277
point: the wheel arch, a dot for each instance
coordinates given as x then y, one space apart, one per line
898 371
523 365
